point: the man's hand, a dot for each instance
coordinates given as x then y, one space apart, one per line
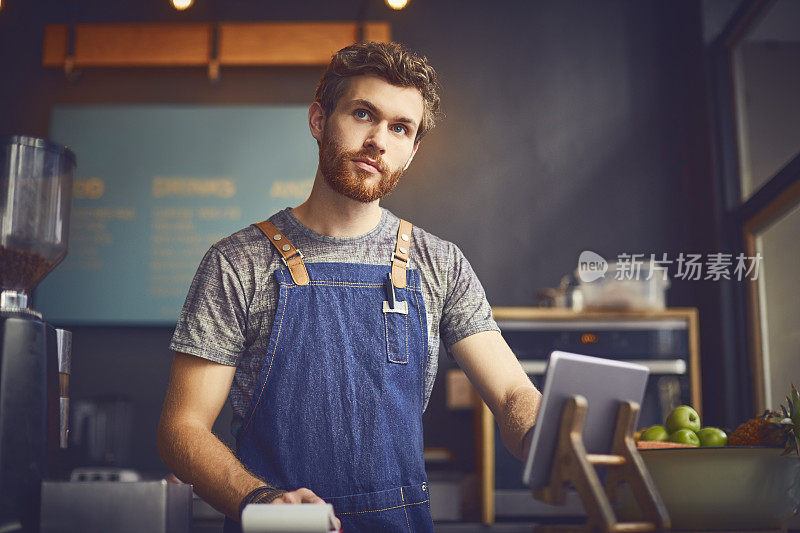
303 495
298 496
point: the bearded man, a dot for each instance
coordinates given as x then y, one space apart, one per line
322 325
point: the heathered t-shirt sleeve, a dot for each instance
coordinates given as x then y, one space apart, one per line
213 321
466 310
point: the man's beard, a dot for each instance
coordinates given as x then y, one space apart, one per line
335 163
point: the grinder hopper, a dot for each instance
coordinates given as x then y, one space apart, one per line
35 198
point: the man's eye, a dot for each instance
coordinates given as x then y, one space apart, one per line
399 128
362 114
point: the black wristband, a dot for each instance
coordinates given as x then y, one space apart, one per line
263 494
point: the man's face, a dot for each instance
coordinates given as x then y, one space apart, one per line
368 141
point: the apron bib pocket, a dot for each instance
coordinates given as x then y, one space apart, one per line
396 327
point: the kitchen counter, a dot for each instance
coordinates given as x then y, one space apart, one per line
521 527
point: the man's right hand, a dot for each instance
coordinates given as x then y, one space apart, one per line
302 495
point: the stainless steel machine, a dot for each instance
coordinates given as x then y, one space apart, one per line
35 200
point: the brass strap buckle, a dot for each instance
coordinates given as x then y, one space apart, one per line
286 261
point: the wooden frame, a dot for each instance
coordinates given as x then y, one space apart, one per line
572 465
485 421
755 224
181 45
485 452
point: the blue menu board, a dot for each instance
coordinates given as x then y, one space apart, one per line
154 187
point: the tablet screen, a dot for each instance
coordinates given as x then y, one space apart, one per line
604 383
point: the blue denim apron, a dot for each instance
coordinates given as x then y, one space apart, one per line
338 404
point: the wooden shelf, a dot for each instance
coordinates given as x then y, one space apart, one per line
554 313
177 45
301 43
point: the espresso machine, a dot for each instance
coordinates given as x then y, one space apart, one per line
35 200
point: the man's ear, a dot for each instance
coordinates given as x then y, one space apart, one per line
316 120
413 153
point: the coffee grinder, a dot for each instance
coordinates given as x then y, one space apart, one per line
35 200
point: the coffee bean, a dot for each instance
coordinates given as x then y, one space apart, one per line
22 270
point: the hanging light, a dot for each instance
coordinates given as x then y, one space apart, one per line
397 4
180 5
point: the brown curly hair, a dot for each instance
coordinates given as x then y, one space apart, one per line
392 62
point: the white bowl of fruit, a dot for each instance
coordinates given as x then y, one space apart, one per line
709 480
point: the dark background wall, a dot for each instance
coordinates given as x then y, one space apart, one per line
570 125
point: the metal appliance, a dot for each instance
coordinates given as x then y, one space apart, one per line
667 342
102 431
116 506
35 199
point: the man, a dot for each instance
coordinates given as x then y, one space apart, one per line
323 324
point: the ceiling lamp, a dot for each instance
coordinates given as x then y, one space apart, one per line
180 5
397 4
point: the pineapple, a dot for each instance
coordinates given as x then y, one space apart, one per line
758 431
772 428
791 422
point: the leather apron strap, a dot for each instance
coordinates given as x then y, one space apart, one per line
401 250
292 257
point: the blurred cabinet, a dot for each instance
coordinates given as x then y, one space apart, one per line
665 341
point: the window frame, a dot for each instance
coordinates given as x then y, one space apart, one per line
739 221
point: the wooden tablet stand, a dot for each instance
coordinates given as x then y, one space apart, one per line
572 465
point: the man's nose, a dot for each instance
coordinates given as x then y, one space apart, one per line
376 140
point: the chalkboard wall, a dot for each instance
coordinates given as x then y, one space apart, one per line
156 186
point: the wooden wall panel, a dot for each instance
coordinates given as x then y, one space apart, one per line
127 45
378 31
290 43
244 44
54 49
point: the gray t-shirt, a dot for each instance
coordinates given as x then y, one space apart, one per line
228 313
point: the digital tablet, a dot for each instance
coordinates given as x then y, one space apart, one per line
604 383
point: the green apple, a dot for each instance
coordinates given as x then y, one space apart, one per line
683 417
684 436
711 436
655 433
